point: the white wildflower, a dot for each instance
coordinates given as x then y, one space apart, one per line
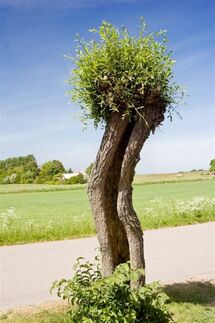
197 204
7 218
157 200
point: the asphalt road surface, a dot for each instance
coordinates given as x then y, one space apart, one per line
172 255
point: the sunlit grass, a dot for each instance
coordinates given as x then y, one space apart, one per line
138 180
29 188
43 216
189 302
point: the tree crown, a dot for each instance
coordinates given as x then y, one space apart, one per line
212 165
51 168
119 72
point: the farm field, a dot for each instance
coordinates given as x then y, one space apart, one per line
28 188
53 215
169 177
138 180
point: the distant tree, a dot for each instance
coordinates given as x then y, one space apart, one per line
28 177
212 166
3 172
125 83
49 170
56 179
19 166
5 180
31 165
2 165
88 170
70 171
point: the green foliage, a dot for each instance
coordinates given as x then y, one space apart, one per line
50 171
119 72
111 299
28 177
79 179
89 169
191 303
212 165
23 169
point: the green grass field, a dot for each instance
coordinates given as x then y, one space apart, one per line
138 180
190 303
53 215
29 188
170 177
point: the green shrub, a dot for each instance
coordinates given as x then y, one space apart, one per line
79 179
111 299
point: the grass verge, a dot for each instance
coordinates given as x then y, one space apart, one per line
191 302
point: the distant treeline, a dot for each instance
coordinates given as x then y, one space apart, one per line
25 170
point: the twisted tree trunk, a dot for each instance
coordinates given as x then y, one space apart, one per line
110 189
103 192
126 212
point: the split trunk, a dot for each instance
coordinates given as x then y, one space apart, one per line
110 189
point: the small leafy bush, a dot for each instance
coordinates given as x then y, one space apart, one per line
79 179
111 299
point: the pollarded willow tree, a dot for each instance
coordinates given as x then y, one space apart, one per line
125 83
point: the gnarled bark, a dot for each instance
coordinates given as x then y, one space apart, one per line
118 235
110 188
125 208
103 191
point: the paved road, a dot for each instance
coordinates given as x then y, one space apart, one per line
175 254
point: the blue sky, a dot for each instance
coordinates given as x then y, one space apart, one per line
35 115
